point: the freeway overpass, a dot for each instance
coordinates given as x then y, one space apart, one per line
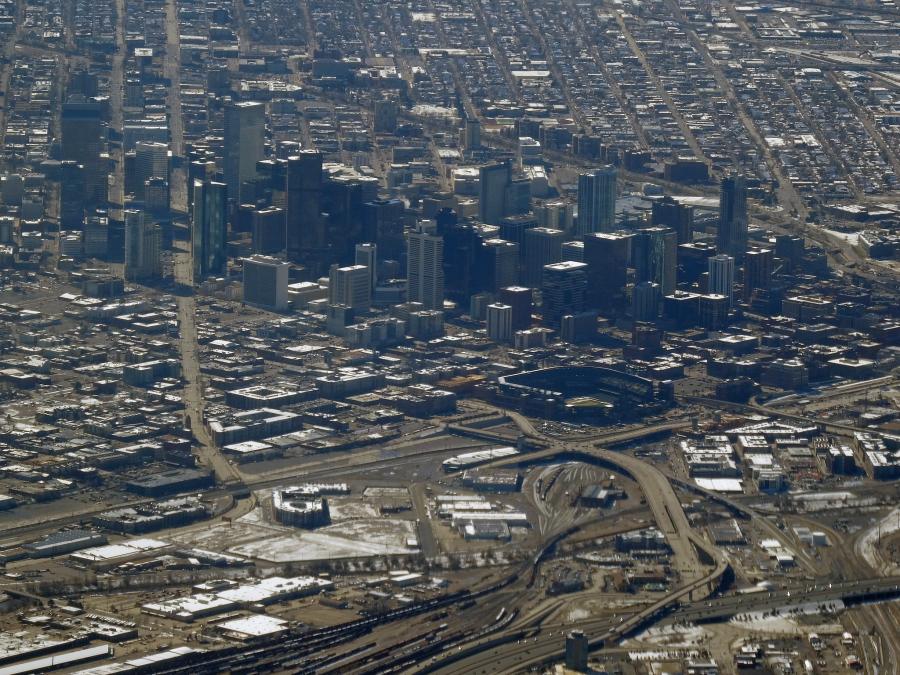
757 409
726 607
521 647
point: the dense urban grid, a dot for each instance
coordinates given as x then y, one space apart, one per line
449 336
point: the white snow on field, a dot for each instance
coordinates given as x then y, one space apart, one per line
351 510
346 540
867 545
357 530
657 655
255 517
820 501
577 615
784 620
851 238
379 492
673 635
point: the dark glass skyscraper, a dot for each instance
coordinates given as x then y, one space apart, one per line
731 238
607 256
209 229
304 226
383 224
680 217
493 181
82 142
653 252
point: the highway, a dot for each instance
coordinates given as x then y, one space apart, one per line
656 487
743 408
667 512
522 647
812 593
208 453
493 653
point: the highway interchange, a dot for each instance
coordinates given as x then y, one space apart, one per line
530 634
498 629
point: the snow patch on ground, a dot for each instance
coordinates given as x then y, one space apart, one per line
851 238
345 540
341 510
867 544
658 655
784 619
357 530
577 615
674 635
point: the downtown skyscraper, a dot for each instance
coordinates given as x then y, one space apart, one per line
425 266
245 136
731 238
82 142
597 201
209 229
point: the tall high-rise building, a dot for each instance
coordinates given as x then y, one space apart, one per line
71 195
267 230
83 82
156 196
499 322
199 170
367 255
790 249
500 264
607 255
95 237
266 282
573 250
425 266
721 276
563 291
654 251
693 260
383 224
493 181
304 225
597 201
512 228
731 237
385 121
577 649
465 272
143 240
521 300
82 142
151 160
542 246
13 189
470 134
209 229
557 214
680 217
645 299
344 193
518 196
758 266
350 286
713 311
244 144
